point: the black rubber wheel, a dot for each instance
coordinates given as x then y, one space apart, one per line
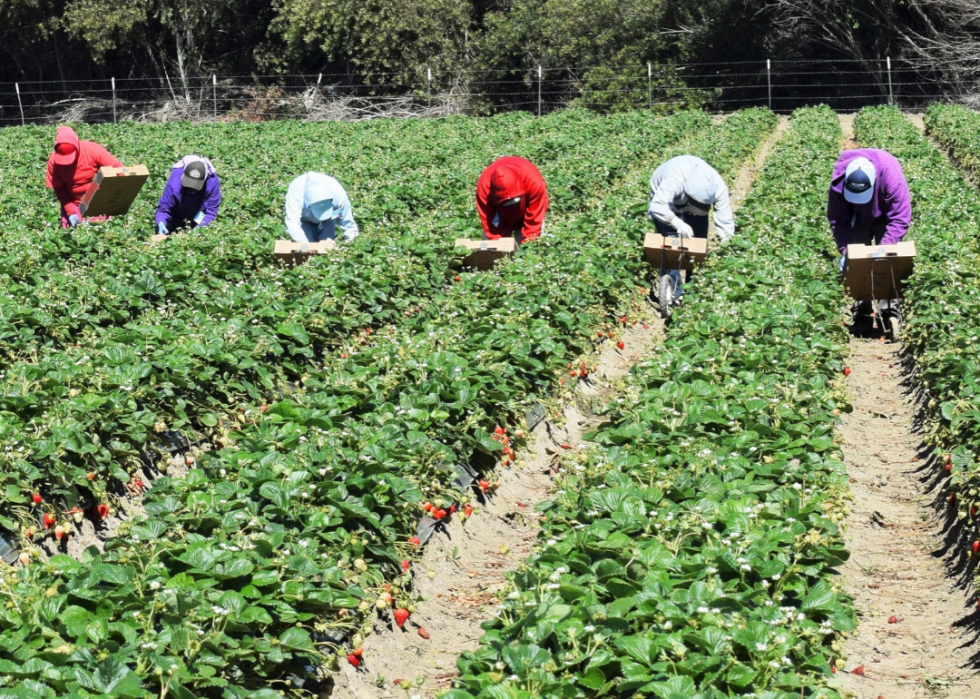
666 296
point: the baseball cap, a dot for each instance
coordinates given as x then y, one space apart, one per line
859 181
322 210
194 175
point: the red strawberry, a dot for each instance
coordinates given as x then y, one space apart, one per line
415 541
401 616
49 520
859 671
468 510
29 533
264 408
893 620
484 485
847 371
565 445
354 660
438 514
405 565
976 547
623 320
500 430
949 468
36 497
367 330
456 278
358 651
427 507
90 476
423 633
103 511
452 509
621 344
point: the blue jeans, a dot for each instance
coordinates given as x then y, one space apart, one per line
698 224
327 230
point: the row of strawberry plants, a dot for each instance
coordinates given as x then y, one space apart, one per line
690 552
185 365
942 301
229 530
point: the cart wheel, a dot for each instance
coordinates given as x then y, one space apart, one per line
666 296
895 328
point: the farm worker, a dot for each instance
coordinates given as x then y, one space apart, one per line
191 197
315 205
71 168
512 199
868 202
682 192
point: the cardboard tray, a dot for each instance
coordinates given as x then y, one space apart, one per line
880 269
658 247
485 253
113 190
292 253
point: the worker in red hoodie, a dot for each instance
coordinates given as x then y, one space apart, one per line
512 199
71 168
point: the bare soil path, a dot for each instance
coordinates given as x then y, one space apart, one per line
466 563
912 638
910 641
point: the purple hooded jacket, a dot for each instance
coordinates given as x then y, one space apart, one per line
890 203
178 208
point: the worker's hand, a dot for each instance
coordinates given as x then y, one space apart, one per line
683 230
840 264
73 220
162 228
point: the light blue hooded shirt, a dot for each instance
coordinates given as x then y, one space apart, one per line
315 205
688 177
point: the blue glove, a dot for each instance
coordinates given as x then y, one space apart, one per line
73 220
840 265
162 228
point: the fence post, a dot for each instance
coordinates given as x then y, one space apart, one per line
113 100
769 80
539 90
20 104
649 86
428 88
214 94
891 97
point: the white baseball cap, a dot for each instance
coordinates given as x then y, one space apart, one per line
859 181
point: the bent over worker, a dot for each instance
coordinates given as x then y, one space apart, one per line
191 197
512 199
682 192
316 204
868 200
71 168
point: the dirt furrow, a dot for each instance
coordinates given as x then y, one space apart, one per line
910 641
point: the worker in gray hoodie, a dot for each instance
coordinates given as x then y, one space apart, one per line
316 204
682 192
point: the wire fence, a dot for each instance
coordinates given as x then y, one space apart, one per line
781 85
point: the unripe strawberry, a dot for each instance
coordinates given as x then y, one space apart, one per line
59 532
25 558
360 565
405 566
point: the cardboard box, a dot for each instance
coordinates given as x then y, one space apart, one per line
485 253
292 253
689 252
877 271
158 238
113 190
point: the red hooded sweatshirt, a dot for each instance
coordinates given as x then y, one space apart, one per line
505 179
71 172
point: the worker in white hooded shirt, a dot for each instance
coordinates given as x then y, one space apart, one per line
682 192
315 205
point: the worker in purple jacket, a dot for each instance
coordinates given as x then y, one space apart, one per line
192 195
868 202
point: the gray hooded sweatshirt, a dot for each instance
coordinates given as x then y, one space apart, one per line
675 183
